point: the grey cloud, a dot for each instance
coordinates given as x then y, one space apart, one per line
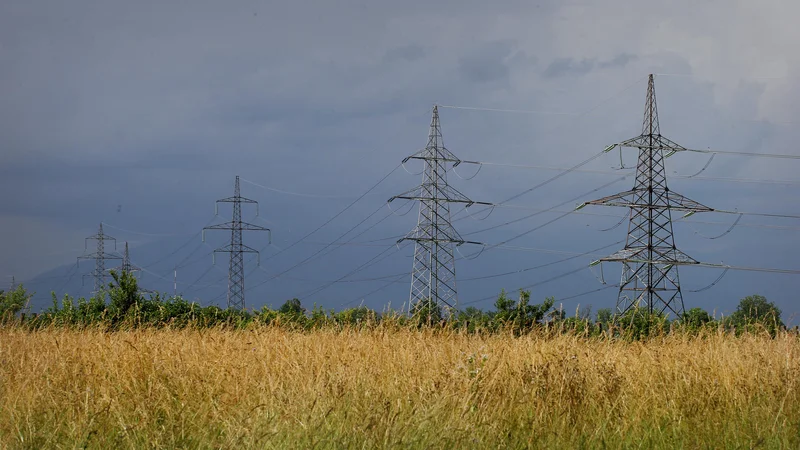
568 66
156 106
487 63
522 59
620 60
411 52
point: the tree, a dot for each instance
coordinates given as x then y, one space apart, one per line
604 315
11 303
427 312
755 311
124 295
520 314
639 323
696 318
292 307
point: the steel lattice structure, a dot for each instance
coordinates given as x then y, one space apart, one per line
129 268
126 266
433 275
236 248
650 259
100 257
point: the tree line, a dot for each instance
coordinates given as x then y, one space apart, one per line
123 306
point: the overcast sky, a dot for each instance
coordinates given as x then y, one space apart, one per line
140 115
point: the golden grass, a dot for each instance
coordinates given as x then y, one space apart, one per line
273 388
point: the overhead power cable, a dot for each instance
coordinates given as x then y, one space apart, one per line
760 155
557 277
784 216
616 172
398 279
549 180
588 292
181 247
141 233
281 191
514 272
572 200
357 269
336 215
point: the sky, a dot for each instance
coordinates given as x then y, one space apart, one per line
140 114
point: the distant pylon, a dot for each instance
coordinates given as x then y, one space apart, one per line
13 284
128 268
236 248
433 274
100 257
650 258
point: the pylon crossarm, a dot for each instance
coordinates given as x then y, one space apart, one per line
235 249
96 255
675 201
439 193
231 225
665 255
251 227
658 142
439 240
439 153
236 199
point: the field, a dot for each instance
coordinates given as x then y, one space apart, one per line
394 388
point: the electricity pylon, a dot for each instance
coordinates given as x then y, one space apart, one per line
236 248
100 257
650 259
126 266
433 275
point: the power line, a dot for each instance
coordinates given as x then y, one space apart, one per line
557 277
572 200
588 292
181 247
337 214
608 172
140 233
398 279
281 191
357 269
514 272
549 180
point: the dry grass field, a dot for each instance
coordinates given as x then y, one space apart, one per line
390 388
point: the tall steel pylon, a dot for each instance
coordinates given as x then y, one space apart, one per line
100 256
127 267
433 274
650 259
236 248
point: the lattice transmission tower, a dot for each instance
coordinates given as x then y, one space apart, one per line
126 266
236 248
433 274
650 259
100 256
